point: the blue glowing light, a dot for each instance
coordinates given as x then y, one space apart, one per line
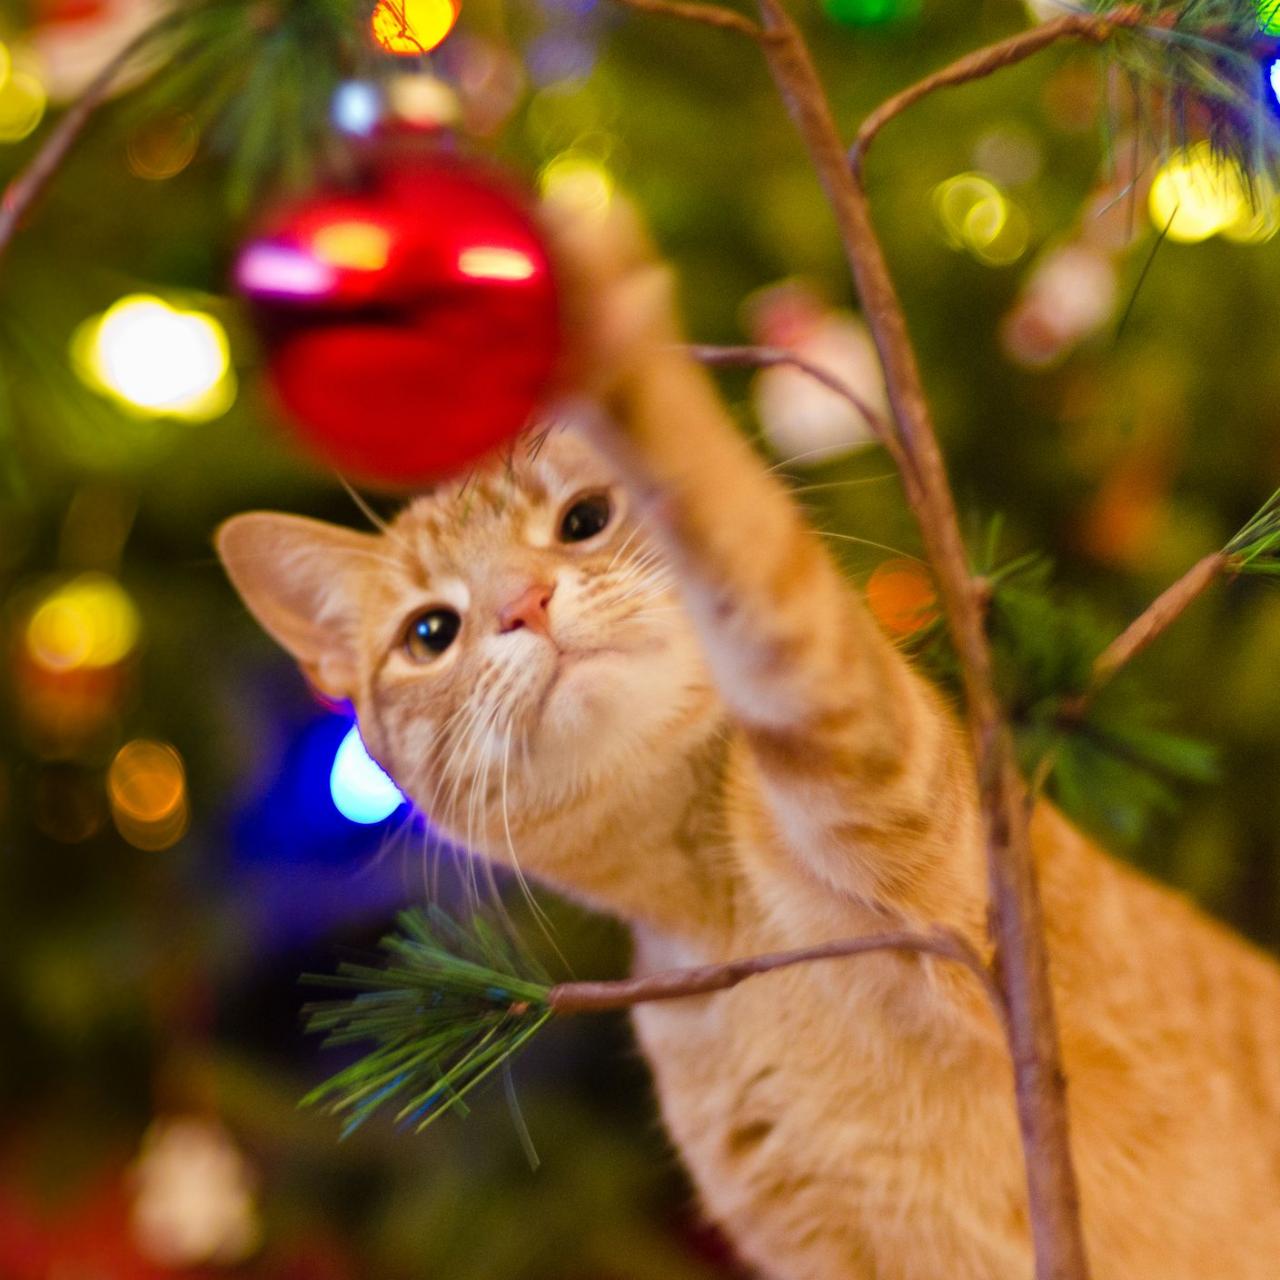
356 107
1273 78
361 791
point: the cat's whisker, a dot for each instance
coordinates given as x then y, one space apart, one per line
868 542
654 584
480 790
544 921
852 483
626 542
368 512
783 463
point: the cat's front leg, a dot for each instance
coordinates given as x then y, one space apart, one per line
865 776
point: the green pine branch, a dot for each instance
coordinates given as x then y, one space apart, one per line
259 77
447 1007
1105 758
1205 63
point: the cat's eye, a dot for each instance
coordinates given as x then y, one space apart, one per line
431 633
586 517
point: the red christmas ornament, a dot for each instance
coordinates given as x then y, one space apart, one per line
412 321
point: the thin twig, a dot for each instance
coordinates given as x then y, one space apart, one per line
678 984
1158 616
709 14
26 188
1092 28
771 357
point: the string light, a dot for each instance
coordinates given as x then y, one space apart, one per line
1198 194
156 360
362 791
411 27
147 788
88 622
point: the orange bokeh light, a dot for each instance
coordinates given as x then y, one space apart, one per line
900 595
411 27
147 787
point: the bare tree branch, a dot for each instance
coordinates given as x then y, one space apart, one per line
677 984
1092 28
1158 616
26 188
771 357
1016 917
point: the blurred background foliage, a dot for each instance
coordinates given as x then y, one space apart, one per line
172 855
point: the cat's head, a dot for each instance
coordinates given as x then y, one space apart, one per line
514 629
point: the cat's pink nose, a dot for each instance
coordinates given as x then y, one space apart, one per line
528 609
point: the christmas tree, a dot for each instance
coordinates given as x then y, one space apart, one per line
1080 245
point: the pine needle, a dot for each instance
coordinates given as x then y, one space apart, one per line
1205 62
1256 548
448 1006
1114 768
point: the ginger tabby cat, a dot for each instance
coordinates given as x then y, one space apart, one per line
622 661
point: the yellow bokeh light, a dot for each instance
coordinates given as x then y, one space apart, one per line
998 242
22 104
6 64
147 787
156 360
409 27
576 182
957 198
1259 219
88 622
1198 194
978 217
359 246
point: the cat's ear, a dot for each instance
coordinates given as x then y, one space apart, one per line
300 579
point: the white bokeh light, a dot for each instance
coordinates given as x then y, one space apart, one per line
157 360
